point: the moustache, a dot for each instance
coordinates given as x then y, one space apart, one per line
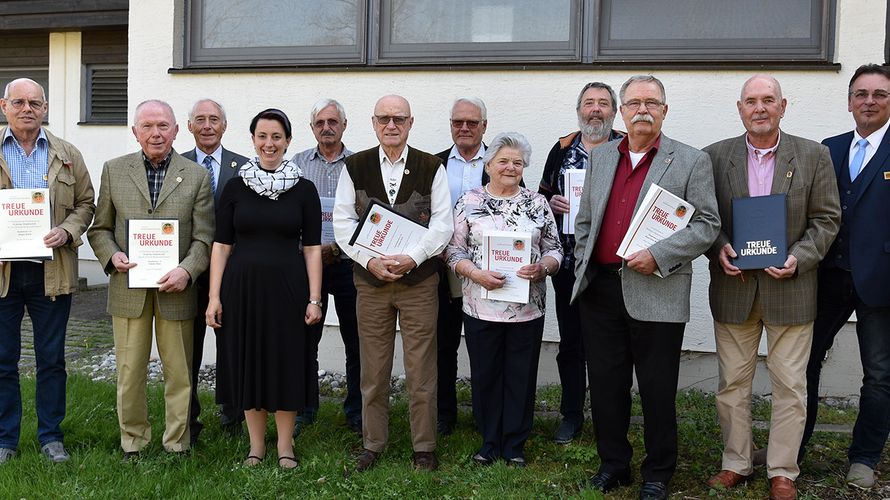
642 118
327 133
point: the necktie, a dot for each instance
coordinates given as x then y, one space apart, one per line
208 164
856 164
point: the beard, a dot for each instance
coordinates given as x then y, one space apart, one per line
596 131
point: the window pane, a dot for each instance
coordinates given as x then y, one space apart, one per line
279 23
458 21
698 19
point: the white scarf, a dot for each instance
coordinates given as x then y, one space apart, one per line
270 184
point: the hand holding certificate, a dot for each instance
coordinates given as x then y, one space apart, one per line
660 215
506 252
24 221
153 247
382 232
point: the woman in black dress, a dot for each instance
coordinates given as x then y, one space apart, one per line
264 289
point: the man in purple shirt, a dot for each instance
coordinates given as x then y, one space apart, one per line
782 300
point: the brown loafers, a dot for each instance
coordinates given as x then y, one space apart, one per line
425 460
726 479
782 488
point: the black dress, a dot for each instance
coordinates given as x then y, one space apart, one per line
261 363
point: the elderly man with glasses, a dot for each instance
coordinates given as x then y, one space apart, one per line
413 184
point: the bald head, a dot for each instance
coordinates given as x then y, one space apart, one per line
23 82
154 126
761 108
24 105
392 121
763 79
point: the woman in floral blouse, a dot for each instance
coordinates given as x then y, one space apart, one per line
503 338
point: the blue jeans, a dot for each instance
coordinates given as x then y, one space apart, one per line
837 301
50 319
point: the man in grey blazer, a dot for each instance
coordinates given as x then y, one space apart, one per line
763 161
207 122
154 183
633 320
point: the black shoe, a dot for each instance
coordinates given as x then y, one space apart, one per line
195 429
232 429
654 490
130 457
445 428
516 462
566 432
355 426
302 421
607 481
480 459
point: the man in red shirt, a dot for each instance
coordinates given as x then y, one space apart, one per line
631 319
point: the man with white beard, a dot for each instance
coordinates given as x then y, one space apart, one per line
596 110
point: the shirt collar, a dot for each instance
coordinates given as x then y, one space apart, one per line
41 137
456 154
624 145
316 154
874 139
762 152
162 164
216 155
403 156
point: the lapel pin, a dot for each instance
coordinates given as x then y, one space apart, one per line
667 161
179 179
788 174
45 177
887 176
234 164
407 171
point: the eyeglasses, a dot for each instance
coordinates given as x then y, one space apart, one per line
397 120
878 95
330 122
651 104
471 124
20 103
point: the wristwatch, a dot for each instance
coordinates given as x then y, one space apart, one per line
316 302
335 250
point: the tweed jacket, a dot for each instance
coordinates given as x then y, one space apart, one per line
863 218
804 173
229 166
123 195
685 172
71 199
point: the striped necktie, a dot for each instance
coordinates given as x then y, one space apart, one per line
208 164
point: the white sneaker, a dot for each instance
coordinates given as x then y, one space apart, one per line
861 476
55 452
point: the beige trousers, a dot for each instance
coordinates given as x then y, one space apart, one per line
132 347
789 351
416 307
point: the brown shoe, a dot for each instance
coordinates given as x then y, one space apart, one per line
425 460
726 479
782 488
366 460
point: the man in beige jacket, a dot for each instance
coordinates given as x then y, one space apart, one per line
33 158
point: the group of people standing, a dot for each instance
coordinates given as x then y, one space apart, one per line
257 263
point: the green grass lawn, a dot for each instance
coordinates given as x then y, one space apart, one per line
327 449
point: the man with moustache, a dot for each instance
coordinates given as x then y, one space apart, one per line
207 122
33 158
633 321
154 183
413 184
322 165
765 160
855 273
596 108
463 164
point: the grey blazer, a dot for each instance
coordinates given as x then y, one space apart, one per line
231 162
685 172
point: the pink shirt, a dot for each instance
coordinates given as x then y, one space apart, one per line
761 166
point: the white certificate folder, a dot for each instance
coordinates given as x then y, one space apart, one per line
660 215
24 221
381 231
505 252
153 245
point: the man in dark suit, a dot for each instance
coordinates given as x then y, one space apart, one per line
781 299
207 122
596 109
463 165
855 273
633 320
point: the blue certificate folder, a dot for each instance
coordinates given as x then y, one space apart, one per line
758 231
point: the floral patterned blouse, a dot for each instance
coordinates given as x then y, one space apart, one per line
477 211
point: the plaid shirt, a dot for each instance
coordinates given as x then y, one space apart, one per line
156 176
27 171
